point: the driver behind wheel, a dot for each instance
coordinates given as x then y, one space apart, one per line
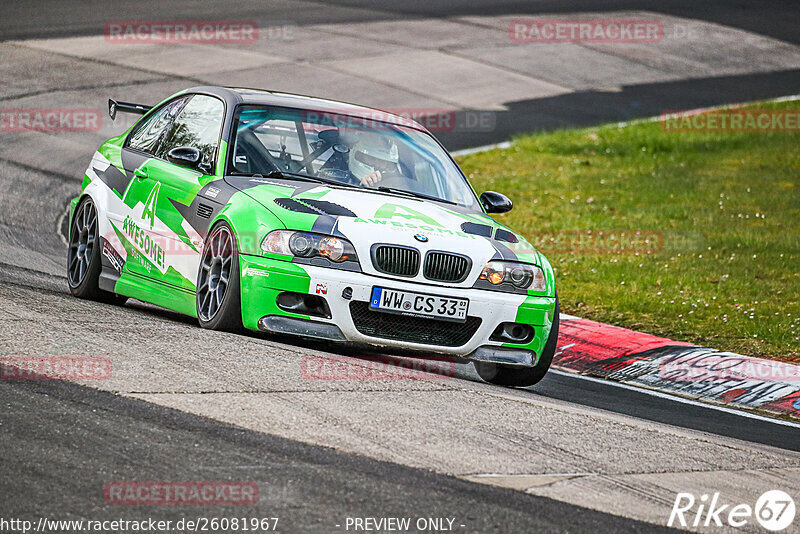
372 158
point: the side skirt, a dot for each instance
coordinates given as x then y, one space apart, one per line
155 292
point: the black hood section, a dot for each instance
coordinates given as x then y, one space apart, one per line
314 207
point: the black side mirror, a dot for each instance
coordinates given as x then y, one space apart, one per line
496 202
185 156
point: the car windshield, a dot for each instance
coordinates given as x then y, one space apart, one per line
351 150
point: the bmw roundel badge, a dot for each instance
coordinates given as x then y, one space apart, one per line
421 238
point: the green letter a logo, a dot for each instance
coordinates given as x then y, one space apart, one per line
149 211
390 211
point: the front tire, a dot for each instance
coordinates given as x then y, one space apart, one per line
518 377
218 302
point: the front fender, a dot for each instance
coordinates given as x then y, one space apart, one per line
73 203
250 222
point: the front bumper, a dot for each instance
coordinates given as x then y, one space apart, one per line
263 279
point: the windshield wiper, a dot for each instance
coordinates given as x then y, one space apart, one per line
305 177
414 194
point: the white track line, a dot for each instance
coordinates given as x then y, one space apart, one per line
676 398
484 148
59 222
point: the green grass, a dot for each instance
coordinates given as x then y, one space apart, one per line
727 274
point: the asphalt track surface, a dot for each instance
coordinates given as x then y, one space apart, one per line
92 435
51 18
185 404
774 19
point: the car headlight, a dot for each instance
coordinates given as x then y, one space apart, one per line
520 275
308 245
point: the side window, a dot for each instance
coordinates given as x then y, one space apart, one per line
198 125
147 134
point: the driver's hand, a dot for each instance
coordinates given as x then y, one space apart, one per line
371 179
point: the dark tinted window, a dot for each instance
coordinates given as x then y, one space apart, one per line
198 125
347 148
149 133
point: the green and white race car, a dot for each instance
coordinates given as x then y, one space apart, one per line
296 215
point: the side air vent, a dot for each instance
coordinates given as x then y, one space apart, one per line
331 208
314 206
476 229
204 211
293 205
396 260
505 235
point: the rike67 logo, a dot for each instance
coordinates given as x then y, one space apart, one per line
774 510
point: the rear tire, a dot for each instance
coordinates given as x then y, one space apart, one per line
519 377
83 256
218 302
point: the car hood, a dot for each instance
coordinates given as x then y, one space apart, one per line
366 218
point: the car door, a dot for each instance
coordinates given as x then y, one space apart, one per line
143 235
164 190
197 125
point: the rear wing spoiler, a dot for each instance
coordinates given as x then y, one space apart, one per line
126 107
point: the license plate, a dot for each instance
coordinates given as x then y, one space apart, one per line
419 304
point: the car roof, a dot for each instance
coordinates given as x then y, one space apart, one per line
241 95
